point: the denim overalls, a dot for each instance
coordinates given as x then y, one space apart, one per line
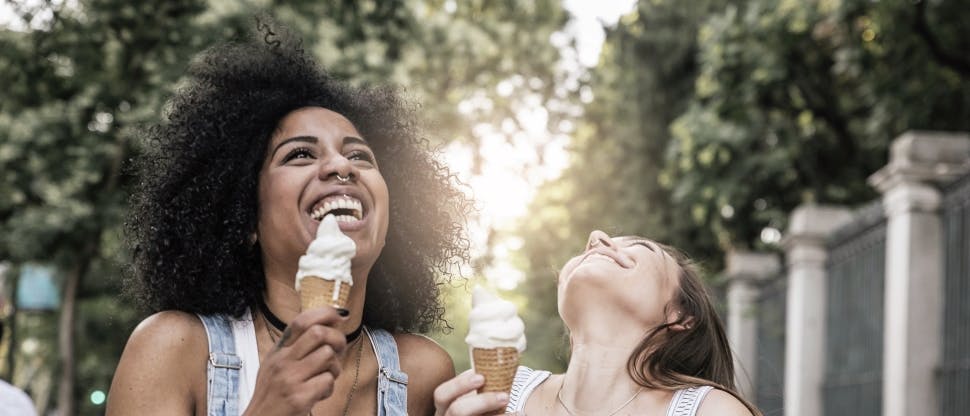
224 366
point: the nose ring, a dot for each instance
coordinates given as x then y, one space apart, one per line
344 179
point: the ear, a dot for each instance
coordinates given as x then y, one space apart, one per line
676 315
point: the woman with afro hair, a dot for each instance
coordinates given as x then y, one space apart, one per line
230 194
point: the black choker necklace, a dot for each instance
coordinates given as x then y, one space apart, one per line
279 325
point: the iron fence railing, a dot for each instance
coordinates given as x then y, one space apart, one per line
770 373
854 315
954 372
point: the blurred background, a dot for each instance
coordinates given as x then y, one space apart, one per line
699 123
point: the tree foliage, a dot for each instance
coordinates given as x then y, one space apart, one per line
78 81
644 77
798 101
712 120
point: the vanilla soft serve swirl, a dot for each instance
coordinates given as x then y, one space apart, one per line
329 254
494 323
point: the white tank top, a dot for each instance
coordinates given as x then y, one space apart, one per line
685 402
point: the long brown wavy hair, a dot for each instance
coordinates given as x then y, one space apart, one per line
698 354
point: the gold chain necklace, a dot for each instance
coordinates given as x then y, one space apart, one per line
353 388
572 413
360 351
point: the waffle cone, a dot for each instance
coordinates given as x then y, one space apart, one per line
498 365
316 292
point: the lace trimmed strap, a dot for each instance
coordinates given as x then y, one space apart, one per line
525 382
687 401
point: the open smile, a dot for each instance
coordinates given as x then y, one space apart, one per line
344 208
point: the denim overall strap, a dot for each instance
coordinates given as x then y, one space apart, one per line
223 367
392 383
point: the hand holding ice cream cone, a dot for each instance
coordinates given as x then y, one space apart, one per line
324 278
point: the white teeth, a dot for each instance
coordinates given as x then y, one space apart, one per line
345 202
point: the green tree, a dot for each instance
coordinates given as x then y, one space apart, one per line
712 120
642 83
79 80
797 102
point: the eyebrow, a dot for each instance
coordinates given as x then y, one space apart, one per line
314 140
355 140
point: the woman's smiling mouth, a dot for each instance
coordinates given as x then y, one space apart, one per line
344 208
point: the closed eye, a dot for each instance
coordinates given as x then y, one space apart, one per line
645 244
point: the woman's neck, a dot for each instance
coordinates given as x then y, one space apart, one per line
597 378
282 299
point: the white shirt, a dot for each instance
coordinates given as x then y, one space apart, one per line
14 402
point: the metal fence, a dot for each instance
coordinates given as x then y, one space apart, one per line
955 371
854 315
770 373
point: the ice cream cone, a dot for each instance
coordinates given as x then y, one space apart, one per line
316 292
323 277
497 365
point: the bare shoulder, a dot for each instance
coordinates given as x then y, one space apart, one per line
719 402
427 366
423 358
169 334
162 367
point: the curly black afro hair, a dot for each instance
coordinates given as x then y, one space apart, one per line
195 204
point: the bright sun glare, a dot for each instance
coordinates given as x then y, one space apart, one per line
519 155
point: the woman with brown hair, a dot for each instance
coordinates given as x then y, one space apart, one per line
645 340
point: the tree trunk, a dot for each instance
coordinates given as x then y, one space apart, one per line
65 342
12 328
65 339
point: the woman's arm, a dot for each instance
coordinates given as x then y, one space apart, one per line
427 365
163 368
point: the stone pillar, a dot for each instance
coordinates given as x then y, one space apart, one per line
912 348
805 251
746 271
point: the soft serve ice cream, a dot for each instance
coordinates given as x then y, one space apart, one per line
324 275
493 322
496 337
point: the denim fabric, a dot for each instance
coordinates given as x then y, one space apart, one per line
392 383
224 366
